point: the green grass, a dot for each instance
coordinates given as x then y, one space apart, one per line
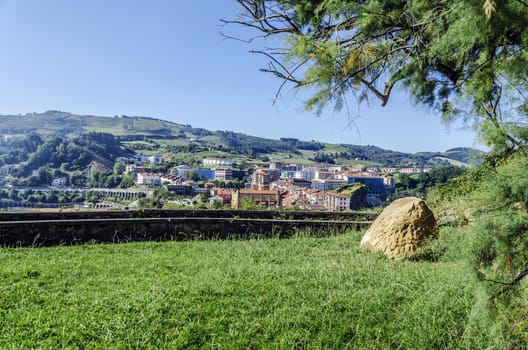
212 139
299 293
172 142
287 157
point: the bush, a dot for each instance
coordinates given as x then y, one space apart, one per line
494 246
498 237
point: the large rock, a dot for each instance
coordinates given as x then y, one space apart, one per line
401 229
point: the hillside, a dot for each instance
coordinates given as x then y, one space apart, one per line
150 135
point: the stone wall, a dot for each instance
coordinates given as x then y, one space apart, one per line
65 228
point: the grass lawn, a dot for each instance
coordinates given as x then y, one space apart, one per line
297 293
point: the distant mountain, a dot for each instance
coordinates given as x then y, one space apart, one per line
465 155
153 135
459 156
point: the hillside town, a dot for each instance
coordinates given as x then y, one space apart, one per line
279 184
101 170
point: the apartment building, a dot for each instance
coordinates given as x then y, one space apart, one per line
336 201
187 188
315 197
324 174
132 168
148 179
299 182
223 174
327 184
275 164
170 179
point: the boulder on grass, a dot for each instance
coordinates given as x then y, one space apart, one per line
401 229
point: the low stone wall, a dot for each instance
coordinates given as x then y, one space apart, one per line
66 232
206 213
56 228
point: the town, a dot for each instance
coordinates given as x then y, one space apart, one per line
279 184
200 169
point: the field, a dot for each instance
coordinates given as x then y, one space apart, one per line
303 292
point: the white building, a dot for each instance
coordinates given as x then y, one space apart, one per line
336 168
323 174
389 181
337 201
372 171
315 197
154 159
170 179
275 164
59 181
305 174
357 168
389 170
148 179
132 168
223 174
413 170
327 184
212 161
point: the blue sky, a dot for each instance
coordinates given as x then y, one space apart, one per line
167 59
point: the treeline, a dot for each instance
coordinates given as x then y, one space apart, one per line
56 152
17 150
418 184
51 197
327 158
37 162
389 158
253 146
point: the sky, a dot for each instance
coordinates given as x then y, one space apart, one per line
167 59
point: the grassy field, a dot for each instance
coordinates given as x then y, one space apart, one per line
298 293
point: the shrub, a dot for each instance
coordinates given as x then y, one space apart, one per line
495 247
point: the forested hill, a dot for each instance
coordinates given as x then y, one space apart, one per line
145 134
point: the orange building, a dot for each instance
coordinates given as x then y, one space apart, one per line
263 198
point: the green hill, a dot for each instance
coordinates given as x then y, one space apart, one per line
153 135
